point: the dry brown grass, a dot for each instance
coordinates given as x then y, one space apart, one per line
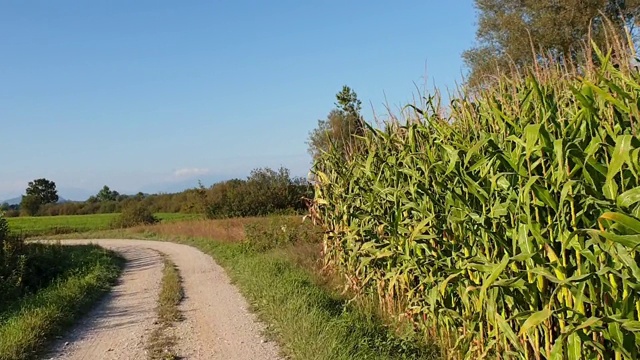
231 230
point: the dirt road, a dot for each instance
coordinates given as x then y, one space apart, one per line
217 324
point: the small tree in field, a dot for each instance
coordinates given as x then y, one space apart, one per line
106 194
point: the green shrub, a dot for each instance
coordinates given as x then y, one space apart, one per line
134 214
265 192
30 205
4 229
11 263
26 268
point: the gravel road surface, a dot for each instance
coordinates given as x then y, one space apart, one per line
217 322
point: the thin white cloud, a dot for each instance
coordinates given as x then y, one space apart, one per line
190 172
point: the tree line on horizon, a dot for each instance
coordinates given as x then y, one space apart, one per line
265 191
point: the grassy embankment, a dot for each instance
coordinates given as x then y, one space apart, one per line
64 224
279 272
82 275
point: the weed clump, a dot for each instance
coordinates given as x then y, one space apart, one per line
278 231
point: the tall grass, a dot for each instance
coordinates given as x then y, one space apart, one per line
26 268
507 228
29 323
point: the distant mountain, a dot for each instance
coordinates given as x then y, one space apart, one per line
18 200
75 194
14 201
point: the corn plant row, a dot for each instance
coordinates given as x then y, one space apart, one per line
507 228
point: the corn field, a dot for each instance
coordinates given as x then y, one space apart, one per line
507 228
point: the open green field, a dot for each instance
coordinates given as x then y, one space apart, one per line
65 224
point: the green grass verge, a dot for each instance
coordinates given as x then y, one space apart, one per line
28 325
29 226
310 322
162 341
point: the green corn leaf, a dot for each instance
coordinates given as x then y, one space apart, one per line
508 331
417 231
491 279
558 147
631 241
474 149
557 351
587 324
607 96
618 158
545 273
383 254
545 196
535 320
628 197
513 283
616 334
443 285
531 134
625 220
631 325
574 347
628 261
476 190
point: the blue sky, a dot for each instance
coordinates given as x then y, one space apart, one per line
153 95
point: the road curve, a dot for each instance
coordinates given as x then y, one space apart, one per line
217 322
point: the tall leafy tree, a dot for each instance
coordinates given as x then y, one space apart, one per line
510 31
340 126
38 193
43 190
